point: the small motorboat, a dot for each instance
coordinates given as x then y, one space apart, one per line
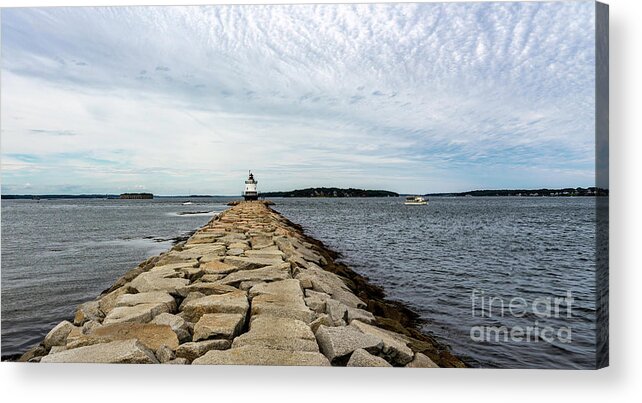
415 201
187 203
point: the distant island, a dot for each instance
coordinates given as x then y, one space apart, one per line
565 192
136 196
60 196
331 192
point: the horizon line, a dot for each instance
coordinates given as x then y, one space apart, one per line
283 191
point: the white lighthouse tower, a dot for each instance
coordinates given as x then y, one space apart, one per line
250 192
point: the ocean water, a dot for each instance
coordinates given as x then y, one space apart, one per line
464 263
57 254
461 263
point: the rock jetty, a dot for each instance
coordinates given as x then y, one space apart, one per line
249 288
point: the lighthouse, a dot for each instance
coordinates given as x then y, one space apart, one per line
250 192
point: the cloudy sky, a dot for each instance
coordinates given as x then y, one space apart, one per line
412 98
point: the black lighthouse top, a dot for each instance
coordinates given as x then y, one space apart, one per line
250 179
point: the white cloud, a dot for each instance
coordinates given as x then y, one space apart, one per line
380 95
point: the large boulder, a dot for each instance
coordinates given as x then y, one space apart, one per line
294 247
341 313
362 358
165 354
239 245
169 270
192 273
210 278
88 311
360 315
421 361
231 237
108 301
191 296
322 319
205 288
151 282
58 335
172 269
211 257
199 239
249 263
33 352
282 306
198 251
256 355
77 332
194 349
280 299
117 352
394 349
316 304
217 267
151 335
265 254
329 283
283 287
142 313
170 258
153 297
176 323
279 334
264 274
337 311
337 343
261 241
232 302
218 326
200 234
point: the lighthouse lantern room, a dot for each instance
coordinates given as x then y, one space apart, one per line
250 192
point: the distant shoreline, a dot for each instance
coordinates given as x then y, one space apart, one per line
309 193
331 192
563 192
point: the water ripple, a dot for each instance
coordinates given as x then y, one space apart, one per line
433 257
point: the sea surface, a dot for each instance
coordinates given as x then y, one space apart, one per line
457 260
57 254
483 273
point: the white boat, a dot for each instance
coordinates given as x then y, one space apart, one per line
415 201
187 203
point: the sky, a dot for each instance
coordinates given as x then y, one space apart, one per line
412 98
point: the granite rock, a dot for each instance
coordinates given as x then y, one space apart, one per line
58 335
218 326
362 358
232 302
194 349
338 342
176 323
421 361
256 355
117 352
394 348
141 313
88 311
279 334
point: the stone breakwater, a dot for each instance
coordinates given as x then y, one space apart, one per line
249 288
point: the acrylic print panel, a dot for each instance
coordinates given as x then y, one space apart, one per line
397 185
